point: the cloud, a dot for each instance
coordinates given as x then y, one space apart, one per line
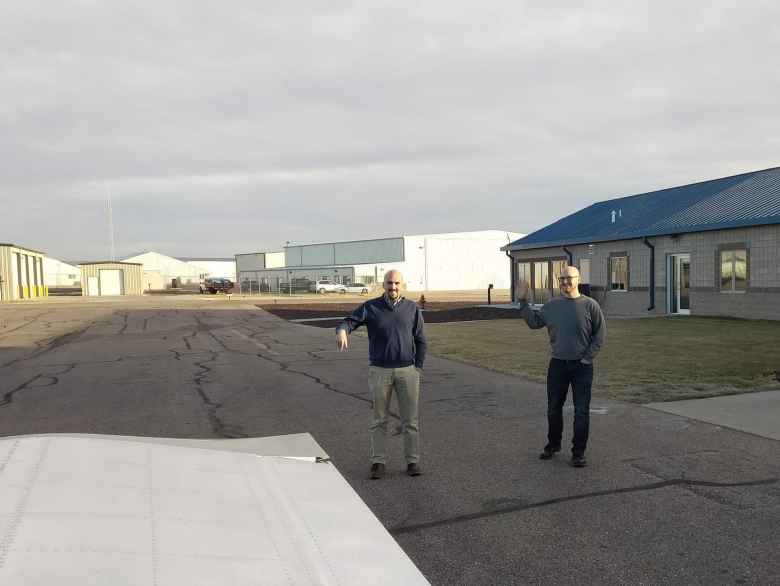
267 122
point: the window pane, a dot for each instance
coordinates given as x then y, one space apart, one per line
740 270
726 270
541 282
557 270
585 271
523 274
619 272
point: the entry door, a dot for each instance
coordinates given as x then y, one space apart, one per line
110 282
680 284
92 286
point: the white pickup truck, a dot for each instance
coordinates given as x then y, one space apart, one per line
326 287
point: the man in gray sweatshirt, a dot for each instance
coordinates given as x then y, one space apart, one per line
577 330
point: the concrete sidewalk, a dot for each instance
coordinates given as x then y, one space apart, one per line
756 413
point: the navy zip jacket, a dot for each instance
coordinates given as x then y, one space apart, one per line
395 333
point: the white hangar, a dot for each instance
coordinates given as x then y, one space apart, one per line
453 261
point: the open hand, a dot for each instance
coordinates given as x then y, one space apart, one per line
523 288
341 340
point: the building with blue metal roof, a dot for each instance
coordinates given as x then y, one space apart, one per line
708 248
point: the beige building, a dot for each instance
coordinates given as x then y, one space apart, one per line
111 278
21 273
709 248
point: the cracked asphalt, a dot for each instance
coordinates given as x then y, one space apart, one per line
665 500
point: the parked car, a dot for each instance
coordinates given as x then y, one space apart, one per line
216 285
356 288
326 287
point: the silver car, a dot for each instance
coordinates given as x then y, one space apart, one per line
356 288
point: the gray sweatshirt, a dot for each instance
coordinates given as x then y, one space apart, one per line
576 326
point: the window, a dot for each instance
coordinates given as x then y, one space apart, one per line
524 272
585 271
733 270
618 271
557 270
542 278
541 283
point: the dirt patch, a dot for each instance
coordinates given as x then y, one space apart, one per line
442 314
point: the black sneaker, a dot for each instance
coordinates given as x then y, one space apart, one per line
377 471
578 461
413 469
549 451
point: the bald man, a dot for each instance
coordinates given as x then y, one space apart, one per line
396 348
577 330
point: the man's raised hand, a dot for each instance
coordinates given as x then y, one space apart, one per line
523 289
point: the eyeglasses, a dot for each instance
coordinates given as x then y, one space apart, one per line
567 278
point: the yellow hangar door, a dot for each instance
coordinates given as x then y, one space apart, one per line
110 282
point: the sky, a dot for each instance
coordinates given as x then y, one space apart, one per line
224 128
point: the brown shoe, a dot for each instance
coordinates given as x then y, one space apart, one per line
377 471
413 469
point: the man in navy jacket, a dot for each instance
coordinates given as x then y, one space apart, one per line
396 348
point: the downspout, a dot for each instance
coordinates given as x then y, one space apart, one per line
511 276
646 242
570 255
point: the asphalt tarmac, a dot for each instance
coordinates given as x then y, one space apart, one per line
665 500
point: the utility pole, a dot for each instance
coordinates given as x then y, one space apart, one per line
111 225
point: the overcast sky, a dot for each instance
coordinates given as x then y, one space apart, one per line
231 127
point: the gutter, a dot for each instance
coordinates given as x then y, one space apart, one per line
570 255
511 276
651 288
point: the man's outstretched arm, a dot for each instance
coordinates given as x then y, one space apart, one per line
350 323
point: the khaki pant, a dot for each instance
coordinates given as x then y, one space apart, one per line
381 383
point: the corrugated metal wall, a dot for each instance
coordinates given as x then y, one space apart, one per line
31 284
132 276
254 261
346 253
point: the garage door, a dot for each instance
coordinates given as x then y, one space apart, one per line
110 282
92 286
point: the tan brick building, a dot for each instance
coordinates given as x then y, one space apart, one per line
709 248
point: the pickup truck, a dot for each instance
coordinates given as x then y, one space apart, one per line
216 285
326 287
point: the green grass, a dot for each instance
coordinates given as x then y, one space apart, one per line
643 360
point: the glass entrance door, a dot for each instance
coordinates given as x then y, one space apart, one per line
679 285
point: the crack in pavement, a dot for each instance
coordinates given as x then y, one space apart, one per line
25 324
218 426
285 367
53 377
125 317
684 482
53 344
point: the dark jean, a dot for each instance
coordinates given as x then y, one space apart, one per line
560 375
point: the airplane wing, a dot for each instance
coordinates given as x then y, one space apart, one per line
115 510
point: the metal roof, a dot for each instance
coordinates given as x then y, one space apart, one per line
109 262
21 247
749 199
204 259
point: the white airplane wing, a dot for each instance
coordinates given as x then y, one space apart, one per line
108 510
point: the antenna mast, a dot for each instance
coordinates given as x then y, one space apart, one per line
111 225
